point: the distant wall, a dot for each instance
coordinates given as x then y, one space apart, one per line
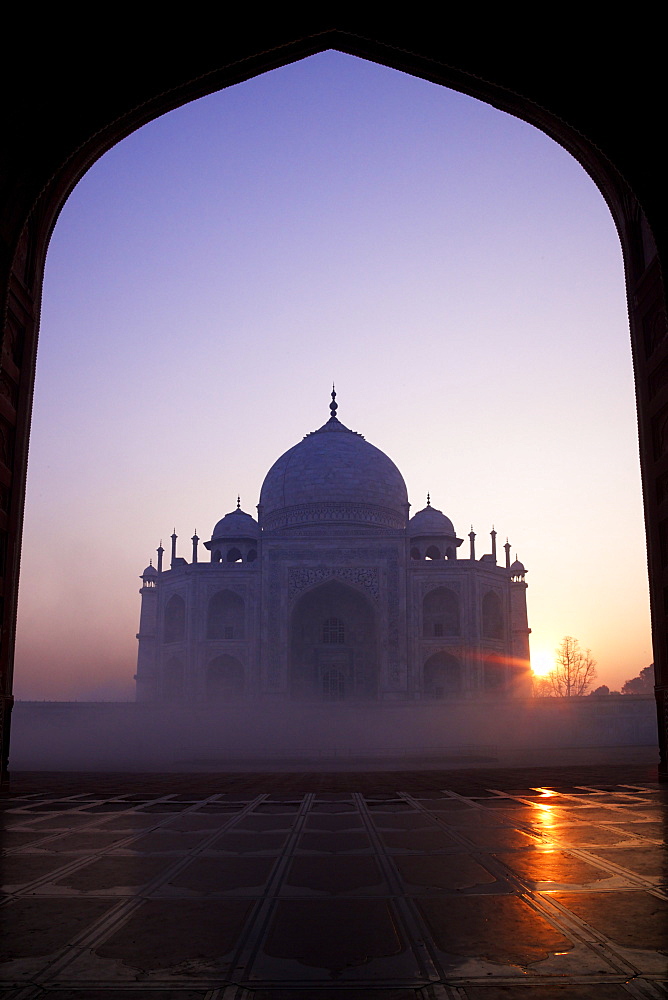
109 735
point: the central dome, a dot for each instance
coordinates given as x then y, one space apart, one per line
333 476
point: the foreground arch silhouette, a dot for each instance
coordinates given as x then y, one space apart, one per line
66 105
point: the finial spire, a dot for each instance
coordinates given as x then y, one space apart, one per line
333 406
428 500
238 503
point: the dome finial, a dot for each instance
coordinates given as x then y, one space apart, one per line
238 502
333 406
428 500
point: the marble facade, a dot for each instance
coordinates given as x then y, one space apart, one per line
333 593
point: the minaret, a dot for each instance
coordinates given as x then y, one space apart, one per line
493 534
520 631
146 676
174 537
195 540
161 552
472 541
507 548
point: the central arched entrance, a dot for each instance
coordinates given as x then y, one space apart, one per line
333 645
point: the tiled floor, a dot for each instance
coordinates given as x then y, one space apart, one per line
426 891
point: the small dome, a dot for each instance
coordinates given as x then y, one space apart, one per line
149 573
429 522
517 569
236 524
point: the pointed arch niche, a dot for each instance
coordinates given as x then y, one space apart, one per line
333 645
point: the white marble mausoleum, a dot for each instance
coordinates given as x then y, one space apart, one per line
334 593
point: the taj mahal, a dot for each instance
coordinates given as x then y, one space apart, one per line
333 594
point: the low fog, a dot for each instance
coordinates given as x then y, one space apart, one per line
280 736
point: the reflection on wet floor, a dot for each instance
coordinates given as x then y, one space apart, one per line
540 893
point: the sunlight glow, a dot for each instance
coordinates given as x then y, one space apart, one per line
542 662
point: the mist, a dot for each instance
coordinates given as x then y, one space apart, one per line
123 737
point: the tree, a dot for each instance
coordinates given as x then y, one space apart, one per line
541 686
642 684
574 669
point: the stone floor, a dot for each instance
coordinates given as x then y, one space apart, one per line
472 885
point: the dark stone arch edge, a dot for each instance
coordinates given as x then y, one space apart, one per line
80 106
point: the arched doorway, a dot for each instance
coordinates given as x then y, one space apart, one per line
442 676
492 616
49 153
225 679
174 624
226 616
172 680
333 645
440 613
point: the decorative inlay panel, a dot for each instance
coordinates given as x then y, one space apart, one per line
8 389
12 347
655 330
346 512
301 577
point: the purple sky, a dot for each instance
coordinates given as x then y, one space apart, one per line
450 267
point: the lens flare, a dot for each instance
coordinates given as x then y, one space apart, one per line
542 662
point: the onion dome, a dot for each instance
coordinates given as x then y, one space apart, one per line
333 477
150 573
517 569
429 523
236 524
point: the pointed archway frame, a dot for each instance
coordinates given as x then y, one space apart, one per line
599 105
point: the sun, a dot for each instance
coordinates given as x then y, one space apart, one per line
542 662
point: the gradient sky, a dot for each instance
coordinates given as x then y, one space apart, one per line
451 268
